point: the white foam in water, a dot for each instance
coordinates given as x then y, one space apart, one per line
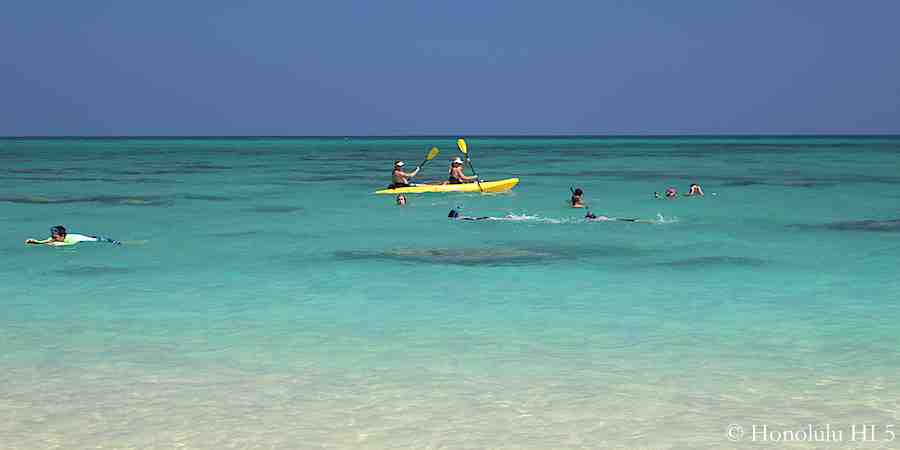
527 218
663 219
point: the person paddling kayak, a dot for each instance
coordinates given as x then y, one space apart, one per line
399 178
456 175
60 237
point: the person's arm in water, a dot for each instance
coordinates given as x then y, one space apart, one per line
37 242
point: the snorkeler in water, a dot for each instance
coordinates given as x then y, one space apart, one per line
454 214
577 199
671 193
60 237
593 217
695 191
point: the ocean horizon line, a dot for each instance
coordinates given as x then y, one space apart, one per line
469 136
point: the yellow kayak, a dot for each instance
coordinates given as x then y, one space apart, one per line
486 186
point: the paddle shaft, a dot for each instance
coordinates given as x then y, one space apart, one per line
464 148
477 180
431 155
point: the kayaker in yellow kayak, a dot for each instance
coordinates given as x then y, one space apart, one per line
456 173
399 178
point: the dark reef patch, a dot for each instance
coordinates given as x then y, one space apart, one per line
740 183
806 183
889 226
209 198
562 250
234 234
76 179
452 256
205 167
715 261
93 271
101 199
518 253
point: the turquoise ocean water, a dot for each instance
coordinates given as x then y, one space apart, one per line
265 298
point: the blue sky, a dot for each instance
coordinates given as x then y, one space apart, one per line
449 67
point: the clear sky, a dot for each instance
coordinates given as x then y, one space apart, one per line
457 67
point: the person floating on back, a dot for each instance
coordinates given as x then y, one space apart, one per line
60 237
456 175
577 199
399 178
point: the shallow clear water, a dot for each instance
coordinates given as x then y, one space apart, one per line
265 298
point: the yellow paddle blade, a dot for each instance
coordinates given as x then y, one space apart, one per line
461 143
432 153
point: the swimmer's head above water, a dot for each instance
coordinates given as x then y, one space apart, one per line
58 233
577 198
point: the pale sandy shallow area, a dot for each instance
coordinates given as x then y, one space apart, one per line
433 408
